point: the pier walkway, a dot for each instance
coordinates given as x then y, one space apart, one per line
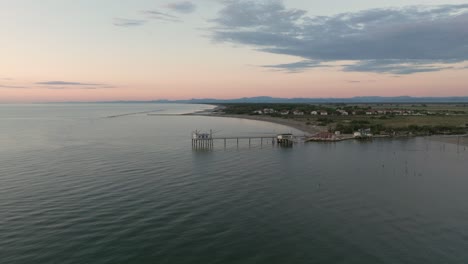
206 140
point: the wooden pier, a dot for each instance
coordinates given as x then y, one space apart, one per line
206 140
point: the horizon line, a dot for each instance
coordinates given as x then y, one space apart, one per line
465 98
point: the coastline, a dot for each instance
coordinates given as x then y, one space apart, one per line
308 130
298 125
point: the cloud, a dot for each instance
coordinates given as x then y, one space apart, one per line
124 22
158 15
297 66
12 86
254 15
398 67
77 87
395 40
185 7
71 87
361 81
60 85
66 83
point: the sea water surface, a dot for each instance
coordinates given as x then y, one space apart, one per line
120 183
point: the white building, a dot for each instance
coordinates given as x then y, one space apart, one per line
342 112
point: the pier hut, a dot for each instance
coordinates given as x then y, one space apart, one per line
285 139
202 140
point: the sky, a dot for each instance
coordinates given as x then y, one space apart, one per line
105 50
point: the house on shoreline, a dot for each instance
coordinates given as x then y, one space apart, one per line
363 133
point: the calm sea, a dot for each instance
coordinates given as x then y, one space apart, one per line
79 187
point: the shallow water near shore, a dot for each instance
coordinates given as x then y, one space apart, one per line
79 187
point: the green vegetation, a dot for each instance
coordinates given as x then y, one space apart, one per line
248 109
387 119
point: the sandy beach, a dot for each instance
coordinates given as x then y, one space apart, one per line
299 125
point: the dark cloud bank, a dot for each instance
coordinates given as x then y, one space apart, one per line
390 40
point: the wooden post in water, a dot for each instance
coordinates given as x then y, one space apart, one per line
211 138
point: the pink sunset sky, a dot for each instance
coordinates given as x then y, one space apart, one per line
56 51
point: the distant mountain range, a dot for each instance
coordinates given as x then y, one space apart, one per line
364 99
